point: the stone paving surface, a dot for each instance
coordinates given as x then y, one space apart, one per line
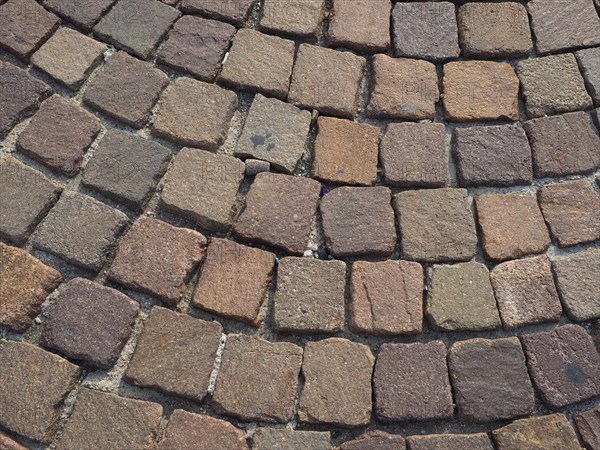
300 225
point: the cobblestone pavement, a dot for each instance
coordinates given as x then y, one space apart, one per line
299 224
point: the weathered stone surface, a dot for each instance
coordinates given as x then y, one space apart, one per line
436 225
241 390
6 443
416 391
589 63
375 440
33 384
345 152
564 365
588 425
310 295
142 263
256 166
286 439
234 280
234 11
301 18
72 11
175 354
475 441
203 187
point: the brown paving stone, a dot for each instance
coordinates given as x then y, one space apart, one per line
203 187
241 390
234 11
589 64
6 443
300 18
142 264
33 384
475 441
59 135
564 365
309 296
175 354
386 297
234 280
72 10
286 227
588 425
416 391
375 440
286 439
89 322
511 226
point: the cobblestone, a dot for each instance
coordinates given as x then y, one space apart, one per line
588 424
375 440
589 64
302 18
286 439
234 11
476 441
84 18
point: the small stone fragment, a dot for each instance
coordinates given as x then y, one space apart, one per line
234 11
256 166
588 425
72 11
589 63
475 441
6 443
286 439
300 18
375 440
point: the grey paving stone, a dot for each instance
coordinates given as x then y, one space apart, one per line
286 439
234 11
551 432
72 11
375 440
299 18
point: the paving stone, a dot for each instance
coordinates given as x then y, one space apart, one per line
197 46
436 225
511 226
286 439
494 30
195 113
275 132
234 280
175 354
101 420
375 440
241 390
493 156
416 391
309 296
126 89
72 11
414 155
201 432
24 26
89 322
386 297
80 230
234 11
69 57
480 90
136 26
358 221
588 425
33 384
25 283
256 166
572 211
578 284
475 441
126 168
203 187
6 443
59 135
300 18
552 85
259 62
286 227
345 152
564 365
589 63
142 264
460 297
327 80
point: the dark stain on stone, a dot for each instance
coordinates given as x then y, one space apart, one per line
575 373
259 139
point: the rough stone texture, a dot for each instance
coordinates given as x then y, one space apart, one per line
276 132
511 226
475 441
589 63
460 297
300 18
337 386
33 384
234 11
414 155
375 440
142 263
89 322
416 391
326 80
552 85
525 292
80 230
126 168
203 187
588 425
286 439
493 156
310 295
102 420
345 152
403 88
286 227
6 443
126 89
197 46
234 280
386 297
195 113
436 225
72 11
58 135
241 390
175 354
24 285
480 90
358 221
564 365
256 166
